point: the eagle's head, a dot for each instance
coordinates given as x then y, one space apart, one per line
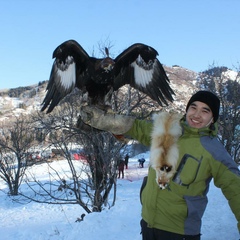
107 64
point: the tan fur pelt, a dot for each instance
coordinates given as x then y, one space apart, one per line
164 150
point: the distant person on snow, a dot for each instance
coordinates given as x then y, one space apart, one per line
185 155
141 162
126 160
121 164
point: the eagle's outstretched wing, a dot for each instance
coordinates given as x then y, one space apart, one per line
138 66
71 61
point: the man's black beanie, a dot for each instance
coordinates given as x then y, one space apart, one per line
208 98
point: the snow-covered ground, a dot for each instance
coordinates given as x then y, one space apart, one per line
35 221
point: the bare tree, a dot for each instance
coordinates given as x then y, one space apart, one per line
225 83
87 184
15 144
103 153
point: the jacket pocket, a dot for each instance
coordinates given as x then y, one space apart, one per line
187 170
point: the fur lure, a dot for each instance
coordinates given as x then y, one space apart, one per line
164 150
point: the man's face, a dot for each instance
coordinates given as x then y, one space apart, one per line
199 115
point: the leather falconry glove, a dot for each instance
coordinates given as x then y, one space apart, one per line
109 122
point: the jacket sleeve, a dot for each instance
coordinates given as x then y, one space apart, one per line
229 183
141 131
227 177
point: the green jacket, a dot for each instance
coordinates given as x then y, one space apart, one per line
180 207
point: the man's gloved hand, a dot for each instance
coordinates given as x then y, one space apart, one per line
109 122
85 127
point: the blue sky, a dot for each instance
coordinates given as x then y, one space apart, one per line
189 33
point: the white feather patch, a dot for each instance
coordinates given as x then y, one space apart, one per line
142 76
68 76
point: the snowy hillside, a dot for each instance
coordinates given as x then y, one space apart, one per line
15 102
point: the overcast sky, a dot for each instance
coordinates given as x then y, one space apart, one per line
189 33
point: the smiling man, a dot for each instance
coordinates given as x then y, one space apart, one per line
185 155
202 109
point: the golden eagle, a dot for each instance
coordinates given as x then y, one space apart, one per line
99 77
